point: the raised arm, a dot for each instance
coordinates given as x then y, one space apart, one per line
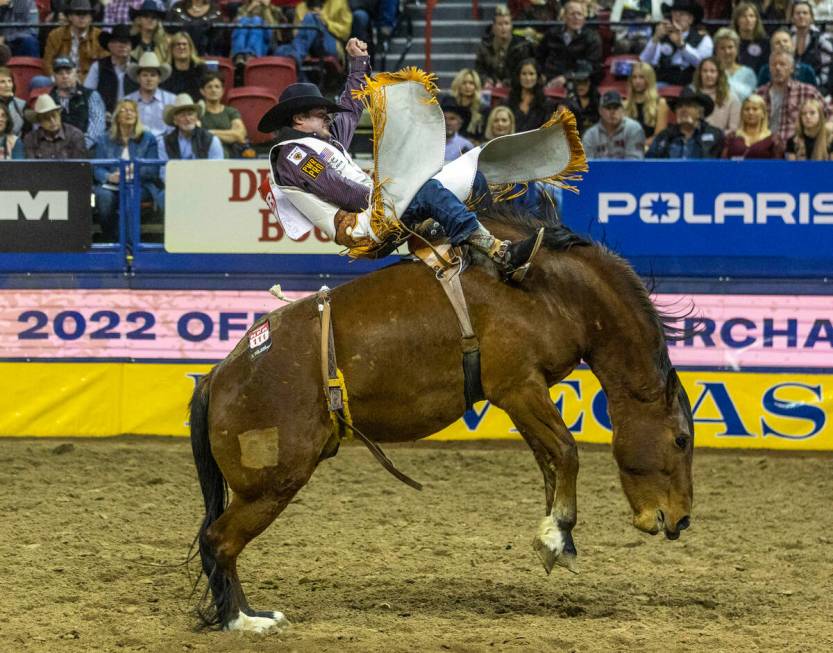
344 124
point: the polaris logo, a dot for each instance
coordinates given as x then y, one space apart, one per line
752 209
21 204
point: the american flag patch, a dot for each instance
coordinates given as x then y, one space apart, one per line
327 154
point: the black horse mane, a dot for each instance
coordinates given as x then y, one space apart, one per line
560 238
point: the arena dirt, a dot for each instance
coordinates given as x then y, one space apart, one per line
360 562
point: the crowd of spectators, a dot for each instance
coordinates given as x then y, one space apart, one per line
143 85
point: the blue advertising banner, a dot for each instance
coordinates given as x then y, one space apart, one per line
710 218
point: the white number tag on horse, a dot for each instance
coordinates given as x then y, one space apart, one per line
260 340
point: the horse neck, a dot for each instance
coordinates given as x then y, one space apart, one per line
623 345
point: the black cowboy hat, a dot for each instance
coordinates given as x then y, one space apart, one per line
690 6
690 96
448 103
296 98
79 7
119 33
148 7
583 71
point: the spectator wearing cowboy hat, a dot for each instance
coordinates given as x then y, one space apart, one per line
77 40
148 34
188 140
80 107
677 47
456 118
53 140
108 75
152 100
615 136
691 137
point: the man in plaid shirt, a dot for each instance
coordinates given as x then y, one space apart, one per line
784 95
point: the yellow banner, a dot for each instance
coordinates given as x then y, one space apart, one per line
731 409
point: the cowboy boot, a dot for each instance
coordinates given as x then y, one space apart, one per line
513 259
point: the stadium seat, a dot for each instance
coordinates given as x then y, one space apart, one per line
225 68
670 91
252 102
620 87
270 72
556 93
499 95
23 69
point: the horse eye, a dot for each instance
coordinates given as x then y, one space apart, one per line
681 441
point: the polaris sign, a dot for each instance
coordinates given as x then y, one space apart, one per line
710 218
45 206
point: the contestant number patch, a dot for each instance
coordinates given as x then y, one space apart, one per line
312 168
260 339
296 155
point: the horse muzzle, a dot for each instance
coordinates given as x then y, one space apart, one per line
653 522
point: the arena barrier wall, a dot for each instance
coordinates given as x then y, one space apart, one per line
105 362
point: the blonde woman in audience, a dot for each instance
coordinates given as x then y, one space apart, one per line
187 69
742 79
753 140
466 90
148 35
711 79
501 122
813 140
644 103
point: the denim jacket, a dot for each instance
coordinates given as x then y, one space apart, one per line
144 147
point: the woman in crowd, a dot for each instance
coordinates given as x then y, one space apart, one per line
773 10
148 35
753 140
813 140
500 51
187 69
501 122
742 79
246 43
710 78
127 140
583 98
11 147
196 17
466 90
221 120
644 103
14 105
812 47
527 99
754 45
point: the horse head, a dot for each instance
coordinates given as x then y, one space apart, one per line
652 444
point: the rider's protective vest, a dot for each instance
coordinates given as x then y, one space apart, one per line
296 208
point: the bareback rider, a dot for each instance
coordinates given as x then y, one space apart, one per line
296 161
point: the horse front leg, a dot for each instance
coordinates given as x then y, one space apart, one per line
555 451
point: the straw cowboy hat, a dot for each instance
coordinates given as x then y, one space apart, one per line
43 105
296 98
183 102
148 60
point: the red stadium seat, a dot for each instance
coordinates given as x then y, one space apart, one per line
670 91
556 93
270 72
252 102
23 69
499 95
224 68
620 87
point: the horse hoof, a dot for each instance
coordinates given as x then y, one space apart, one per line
555 546
259 622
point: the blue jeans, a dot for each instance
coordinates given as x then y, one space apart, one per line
107 204
24 46
309 42
250 41
433 200
361 25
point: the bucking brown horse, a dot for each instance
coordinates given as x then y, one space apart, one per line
260 424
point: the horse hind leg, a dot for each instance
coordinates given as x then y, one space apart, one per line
220 546
540 424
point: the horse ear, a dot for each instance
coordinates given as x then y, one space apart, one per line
672 387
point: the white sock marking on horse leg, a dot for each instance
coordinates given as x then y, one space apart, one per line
257 624
550 535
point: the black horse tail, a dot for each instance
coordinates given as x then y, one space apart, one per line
215 495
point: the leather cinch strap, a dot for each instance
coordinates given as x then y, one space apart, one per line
335 390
